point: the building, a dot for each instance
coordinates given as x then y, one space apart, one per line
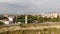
51 15
5 15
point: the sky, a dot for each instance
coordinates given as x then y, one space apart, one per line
29 6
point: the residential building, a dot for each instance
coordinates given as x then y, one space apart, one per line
51 15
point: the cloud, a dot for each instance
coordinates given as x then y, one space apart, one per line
29 6
31 2
37 2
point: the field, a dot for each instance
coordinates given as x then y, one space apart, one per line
35 28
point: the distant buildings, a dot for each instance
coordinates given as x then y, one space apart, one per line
13 18
7 19
51 15
5 15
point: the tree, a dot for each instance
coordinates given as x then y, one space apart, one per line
21 18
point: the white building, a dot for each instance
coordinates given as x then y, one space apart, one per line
51 15
10 19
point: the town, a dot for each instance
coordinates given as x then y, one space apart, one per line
32 18
44 23
29 16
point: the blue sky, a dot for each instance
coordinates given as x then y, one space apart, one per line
29 6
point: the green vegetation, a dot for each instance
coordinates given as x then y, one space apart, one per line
21 18
38 19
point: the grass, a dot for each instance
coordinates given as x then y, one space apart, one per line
41 31
44 31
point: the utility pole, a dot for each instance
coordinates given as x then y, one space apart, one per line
25 19
25 13
16 16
